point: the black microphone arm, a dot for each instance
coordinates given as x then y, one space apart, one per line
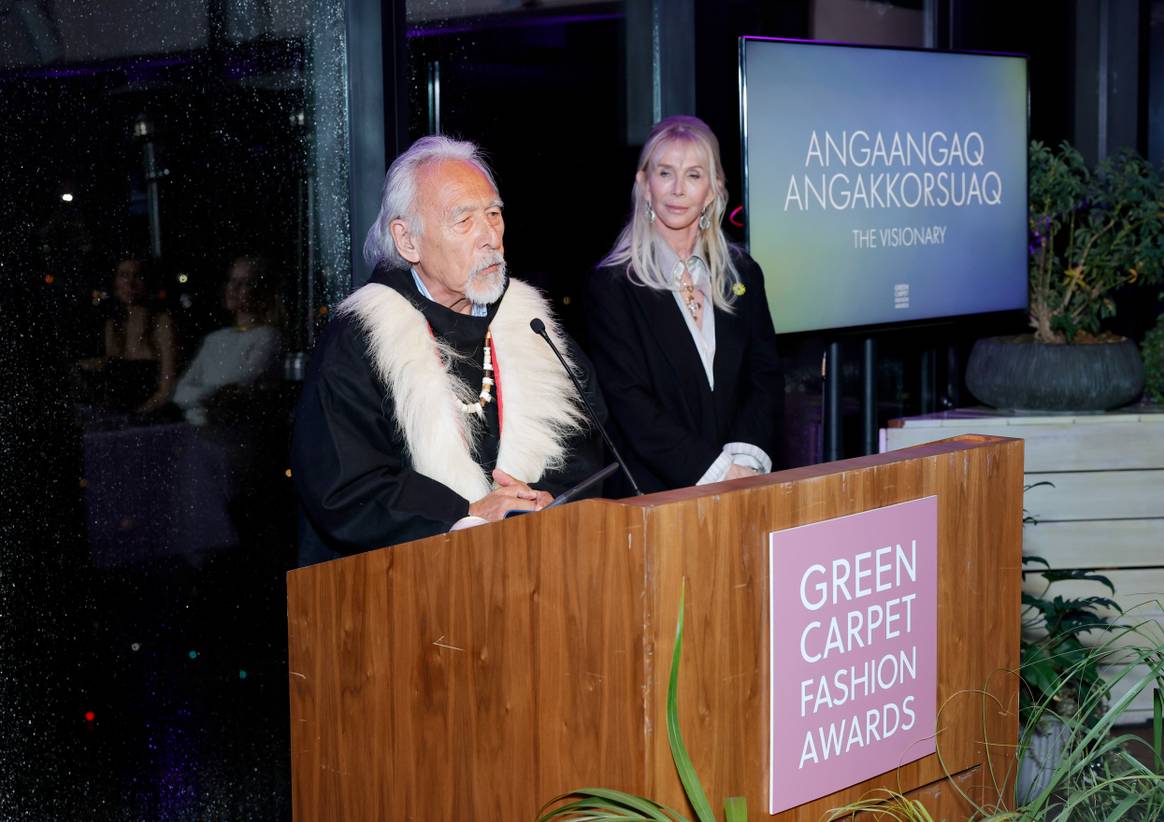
539 328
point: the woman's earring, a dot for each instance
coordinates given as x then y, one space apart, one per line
650 213
704 220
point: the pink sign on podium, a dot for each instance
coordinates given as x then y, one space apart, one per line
853 647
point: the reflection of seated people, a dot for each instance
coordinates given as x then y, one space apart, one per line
245 354
140 360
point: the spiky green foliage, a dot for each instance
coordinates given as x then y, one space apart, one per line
687 775
1099 777
882 804
602 805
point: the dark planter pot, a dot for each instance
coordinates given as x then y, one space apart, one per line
1019 373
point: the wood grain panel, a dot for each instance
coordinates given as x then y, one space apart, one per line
1120 543
1096 495
472 675
1086 442
478 674
718 543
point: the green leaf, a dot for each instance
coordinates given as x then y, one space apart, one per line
1041 676
1122 808
1104 225
883 803
735 809
683 765
1158 727
616 804
1080 575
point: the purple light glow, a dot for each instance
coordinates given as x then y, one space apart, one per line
560 20
95 70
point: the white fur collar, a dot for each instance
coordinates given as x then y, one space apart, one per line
538 404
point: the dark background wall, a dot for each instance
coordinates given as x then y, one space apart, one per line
273 121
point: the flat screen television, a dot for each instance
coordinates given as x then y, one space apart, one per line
883 185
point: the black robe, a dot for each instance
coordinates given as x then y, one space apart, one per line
357 488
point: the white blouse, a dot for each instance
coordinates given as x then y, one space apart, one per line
703 335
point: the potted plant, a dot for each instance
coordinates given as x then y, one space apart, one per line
1062 686
1091 233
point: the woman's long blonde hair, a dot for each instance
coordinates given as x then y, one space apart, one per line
634 245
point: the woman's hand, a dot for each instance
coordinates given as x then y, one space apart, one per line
738 471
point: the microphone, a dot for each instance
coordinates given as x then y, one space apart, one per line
539 328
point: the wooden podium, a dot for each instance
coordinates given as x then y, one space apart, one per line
476 675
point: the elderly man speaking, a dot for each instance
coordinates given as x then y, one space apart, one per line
430 404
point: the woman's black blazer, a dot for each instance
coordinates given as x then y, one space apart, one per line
667 422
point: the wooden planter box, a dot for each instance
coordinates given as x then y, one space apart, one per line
1104 511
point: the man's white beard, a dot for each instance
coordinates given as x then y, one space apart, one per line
486 289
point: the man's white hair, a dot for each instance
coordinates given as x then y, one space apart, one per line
398 200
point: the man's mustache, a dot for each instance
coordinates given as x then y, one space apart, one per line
496 258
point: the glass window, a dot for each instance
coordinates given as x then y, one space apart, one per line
543 92
882 23
174 231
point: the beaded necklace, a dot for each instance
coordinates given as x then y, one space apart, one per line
486 395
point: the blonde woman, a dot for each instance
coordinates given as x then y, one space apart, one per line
679 329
